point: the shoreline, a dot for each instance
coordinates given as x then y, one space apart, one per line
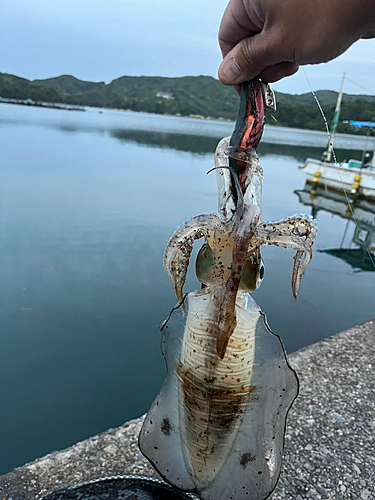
329 444
41 104
316 139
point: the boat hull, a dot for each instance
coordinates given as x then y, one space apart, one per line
340 177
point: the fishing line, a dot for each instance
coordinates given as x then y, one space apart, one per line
164 324
348 201
359 86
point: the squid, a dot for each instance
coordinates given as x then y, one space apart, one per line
217 426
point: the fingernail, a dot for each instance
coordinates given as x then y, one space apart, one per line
229 71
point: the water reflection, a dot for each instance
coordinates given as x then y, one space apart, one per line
300 153
179 142
357 247
206 145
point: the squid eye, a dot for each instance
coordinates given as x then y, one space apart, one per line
249 274
261 273
204 265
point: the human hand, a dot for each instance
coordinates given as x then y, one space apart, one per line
272 38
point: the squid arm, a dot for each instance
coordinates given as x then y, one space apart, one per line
296 232
179 248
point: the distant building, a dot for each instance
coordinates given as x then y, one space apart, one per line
165 95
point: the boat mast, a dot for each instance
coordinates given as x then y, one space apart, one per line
335 121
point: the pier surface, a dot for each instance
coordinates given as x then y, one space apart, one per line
329 445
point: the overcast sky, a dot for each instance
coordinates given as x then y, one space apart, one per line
100 40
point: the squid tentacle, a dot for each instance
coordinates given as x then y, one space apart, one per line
227 317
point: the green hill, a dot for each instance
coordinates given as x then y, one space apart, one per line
74 91
189 95
325 97
69 84
199 95
20 88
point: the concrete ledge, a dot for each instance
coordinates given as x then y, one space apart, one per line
329 446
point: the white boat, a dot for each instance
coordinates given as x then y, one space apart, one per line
353 176
346 176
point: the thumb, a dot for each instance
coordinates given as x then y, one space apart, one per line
248 59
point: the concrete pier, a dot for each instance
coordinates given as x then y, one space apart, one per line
329 445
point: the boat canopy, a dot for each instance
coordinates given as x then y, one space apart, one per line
359 125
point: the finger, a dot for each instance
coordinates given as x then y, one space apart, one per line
237 23
278 71
248 59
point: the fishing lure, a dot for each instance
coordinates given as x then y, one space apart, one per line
217 426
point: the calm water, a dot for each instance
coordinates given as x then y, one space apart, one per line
88 202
